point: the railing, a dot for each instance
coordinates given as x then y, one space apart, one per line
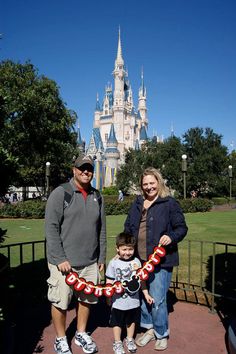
26 252
207 268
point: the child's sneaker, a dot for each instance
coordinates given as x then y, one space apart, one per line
61 346
86 342
118 348
131 346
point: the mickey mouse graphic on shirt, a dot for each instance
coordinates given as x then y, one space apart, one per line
127 276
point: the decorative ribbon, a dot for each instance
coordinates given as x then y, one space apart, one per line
88 287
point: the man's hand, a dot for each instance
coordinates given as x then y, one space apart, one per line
64 267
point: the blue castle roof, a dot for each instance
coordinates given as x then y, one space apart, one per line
143 133
97 138
112 136
79 139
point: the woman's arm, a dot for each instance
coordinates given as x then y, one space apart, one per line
179 228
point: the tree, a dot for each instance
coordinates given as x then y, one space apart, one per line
170 155
7 161
207 161
129 173
36 127
165 157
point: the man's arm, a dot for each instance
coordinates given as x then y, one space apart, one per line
53 217
102 238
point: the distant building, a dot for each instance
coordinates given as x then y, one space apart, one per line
117 125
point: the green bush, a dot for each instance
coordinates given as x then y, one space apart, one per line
116 208
31 209
220 200
195 205
114 198
113 190
35 209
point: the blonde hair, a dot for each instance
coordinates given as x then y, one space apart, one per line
163 190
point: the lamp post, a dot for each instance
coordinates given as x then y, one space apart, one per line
184 170
230 170
47 179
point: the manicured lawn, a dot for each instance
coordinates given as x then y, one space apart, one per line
211 227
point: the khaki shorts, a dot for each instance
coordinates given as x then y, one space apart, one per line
60 294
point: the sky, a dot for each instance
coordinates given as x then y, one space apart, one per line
187 49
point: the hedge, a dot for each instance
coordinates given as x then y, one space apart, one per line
196 205
31 209
35 209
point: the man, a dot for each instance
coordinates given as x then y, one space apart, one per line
76 240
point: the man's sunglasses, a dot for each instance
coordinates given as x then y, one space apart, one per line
86 167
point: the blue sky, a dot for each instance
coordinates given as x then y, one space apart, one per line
186 47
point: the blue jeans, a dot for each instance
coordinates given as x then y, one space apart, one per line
156 315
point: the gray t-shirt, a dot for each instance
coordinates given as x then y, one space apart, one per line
123 271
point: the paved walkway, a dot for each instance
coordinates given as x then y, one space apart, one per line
194 330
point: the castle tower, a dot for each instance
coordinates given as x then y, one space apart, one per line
80 142
119 74
142 108
111 157
97 113
118 125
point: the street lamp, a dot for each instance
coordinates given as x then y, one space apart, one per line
230 168
184 170
47 178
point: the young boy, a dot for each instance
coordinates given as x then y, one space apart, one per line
125 306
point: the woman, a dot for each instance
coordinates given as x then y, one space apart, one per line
156 218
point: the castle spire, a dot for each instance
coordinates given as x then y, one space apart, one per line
119 58
142 109
97 108
142 90
80 141
142 83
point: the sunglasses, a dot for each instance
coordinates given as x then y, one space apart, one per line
86 167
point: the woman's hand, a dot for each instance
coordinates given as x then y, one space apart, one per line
165 240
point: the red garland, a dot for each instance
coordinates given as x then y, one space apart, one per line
108 290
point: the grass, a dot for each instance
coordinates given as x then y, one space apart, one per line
210 227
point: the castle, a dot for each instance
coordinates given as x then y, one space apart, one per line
117 125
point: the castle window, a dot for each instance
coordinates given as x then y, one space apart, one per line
106 137
127 136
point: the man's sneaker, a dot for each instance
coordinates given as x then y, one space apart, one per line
131 346
145 338
118 347
61 346
86 342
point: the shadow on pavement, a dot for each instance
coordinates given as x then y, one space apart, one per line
225 286
26 311
100 315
